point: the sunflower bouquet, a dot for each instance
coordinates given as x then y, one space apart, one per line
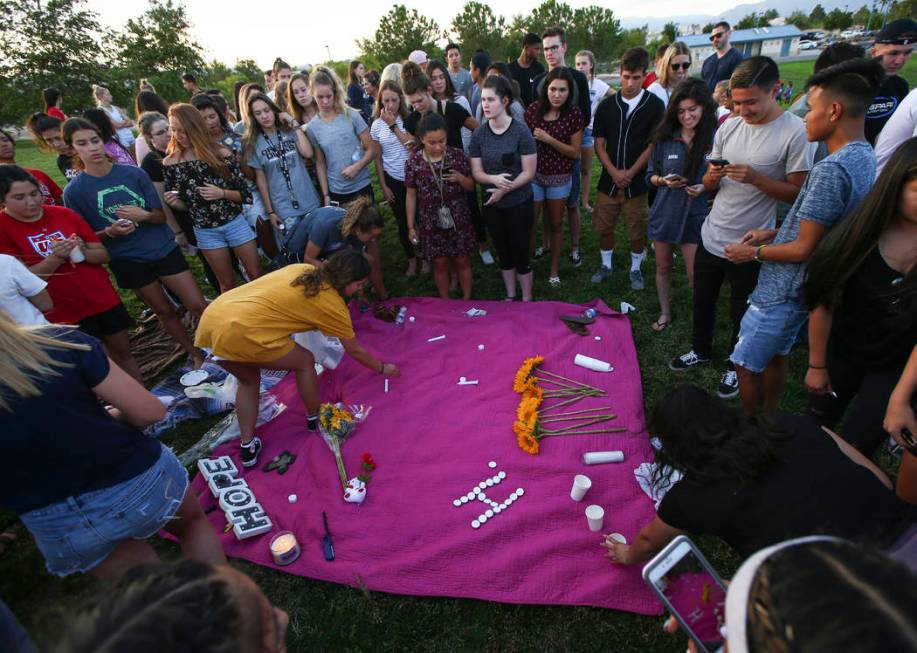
336 423
534 422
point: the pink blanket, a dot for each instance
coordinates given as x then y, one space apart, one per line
432 440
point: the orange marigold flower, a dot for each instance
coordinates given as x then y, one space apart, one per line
527 442
525 371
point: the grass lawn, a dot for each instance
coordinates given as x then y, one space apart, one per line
324 616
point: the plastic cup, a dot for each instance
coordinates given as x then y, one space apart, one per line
581 485
595 515
76 255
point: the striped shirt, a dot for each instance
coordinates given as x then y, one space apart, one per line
394 153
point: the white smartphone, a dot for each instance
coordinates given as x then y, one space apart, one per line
692 591
674 177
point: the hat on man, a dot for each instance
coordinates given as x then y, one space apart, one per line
418 56
898 32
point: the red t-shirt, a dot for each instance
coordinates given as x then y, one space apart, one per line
649 79
49 190
54 112
79 290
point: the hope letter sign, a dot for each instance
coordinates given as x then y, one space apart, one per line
236 499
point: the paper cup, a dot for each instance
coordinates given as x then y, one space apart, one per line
617 537
595 515
581 485
76 255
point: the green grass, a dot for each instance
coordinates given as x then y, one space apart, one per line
798 71
333 617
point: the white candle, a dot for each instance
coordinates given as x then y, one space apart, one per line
284 548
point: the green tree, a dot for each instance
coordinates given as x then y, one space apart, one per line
477 27
818 15
799 19
708 28
861 15
248 70
158 45
633 38
670 32
596 29
399 32
54 43
550 13
902 9
838 19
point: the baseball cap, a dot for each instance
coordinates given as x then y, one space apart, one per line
418 56
898 32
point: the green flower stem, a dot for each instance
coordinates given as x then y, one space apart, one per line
580 412
339 459
562 403
574 427
618 429
570 381
573 418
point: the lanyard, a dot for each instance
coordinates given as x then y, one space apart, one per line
284 167
438 180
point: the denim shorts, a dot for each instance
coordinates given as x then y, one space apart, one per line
78 533
232 234
541 193
767 332
588 138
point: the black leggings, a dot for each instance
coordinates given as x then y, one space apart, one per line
477 217
401 214
710 272
346 198
865 393
510 229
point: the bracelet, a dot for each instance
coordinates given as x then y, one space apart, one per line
381 367
818 367
758 252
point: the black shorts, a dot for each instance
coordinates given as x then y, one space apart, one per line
346 198
107 322
131 275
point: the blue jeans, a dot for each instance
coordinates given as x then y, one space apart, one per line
78 533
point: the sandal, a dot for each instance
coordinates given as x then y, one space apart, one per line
541 252
554 282
659 326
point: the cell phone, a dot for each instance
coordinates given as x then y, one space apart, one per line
674 177
692 591
333 203
718 162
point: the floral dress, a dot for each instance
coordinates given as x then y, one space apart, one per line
436 242
185 177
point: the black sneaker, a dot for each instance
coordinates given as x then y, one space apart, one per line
729 385
575 259
250 452
687 361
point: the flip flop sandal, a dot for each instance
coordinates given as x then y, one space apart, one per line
659 327
578 329
554 282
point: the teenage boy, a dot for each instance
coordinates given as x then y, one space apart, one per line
554 45
894 44
755 162
480 62
721 64
838 98
527 67
189 83
461 78
623 126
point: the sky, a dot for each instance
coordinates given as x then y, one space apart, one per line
299 31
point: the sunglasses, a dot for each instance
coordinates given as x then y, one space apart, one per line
718 35
683 66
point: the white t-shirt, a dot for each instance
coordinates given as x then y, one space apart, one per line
597 91
631 103
900 127
659 91
394 153
125 134
17 284
775 149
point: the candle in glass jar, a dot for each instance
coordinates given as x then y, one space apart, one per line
284 548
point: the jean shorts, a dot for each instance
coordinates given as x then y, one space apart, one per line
767 332
588 138
78 533
540 193
232 234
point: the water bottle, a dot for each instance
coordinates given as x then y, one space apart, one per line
590 312
399 319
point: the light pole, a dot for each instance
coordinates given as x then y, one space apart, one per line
328 50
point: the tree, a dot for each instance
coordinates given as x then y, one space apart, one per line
708 28
55 43
861 16
248 70
818 15
756 19
158 45
596 29
550 13
799 19
902 9
838 19
477 27
399 32
670 32
634 38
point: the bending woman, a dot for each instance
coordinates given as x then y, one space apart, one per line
251 328
89 493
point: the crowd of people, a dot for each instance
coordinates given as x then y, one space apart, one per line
278 178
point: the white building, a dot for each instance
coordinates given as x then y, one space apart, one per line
775 41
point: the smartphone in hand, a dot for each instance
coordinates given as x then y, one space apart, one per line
719 163
692 591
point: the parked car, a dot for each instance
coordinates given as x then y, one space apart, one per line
809 45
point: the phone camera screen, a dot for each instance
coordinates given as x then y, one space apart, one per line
698 598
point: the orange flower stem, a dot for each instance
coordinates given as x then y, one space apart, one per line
612 430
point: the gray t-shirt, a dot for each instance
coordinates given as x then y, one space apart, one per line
775 149
340 143
325 231
462 82
266 158
501 153
832 190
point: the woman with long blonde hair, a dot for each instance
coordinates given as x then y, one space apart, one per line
673 69
204 178
90 492
118 117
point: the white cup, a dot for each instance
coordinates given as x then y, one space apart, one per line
581 485
76 255
595 515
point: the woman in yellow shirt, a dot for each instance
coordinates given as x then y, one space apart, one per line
250 328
